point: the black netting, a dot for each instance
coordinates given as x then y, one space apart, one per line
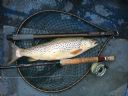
54 77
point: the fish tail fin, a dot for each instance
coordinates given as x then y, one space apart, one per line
14 53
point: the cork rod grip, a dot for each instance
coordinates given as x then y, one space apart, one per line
86 60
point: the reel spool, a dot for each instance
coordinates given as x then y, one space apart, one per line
98 69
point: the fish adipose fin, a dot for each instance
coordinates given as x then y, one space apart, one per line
14 53
76 51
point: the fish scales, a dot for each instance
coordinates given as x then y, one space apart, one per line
60 48
54 45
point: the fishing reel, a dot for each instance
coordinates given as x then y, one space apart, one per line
98 69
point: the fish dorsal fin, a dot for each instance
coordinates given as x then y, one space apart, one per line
31 59
76 51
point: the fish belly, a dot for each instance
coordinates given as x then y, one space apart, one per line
51 55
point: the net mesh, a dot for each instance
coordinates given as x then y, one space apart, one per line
54 77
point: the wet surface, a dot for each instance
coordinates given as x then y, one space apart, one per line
106 14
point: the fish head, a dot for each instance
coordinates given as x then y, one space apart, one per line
88 43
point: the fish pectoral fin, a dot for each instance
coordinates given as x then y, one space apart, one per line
31 59
75 51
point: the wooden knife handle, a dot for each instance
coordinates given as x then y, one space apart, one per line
86 60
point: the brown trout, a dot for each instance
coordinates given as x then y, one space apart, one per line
60 48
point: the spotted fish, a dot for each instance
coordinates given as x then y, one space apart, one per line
60 48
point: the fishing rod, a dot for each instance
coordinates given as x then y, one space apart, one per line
39 36
43 36
64 62
18 36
